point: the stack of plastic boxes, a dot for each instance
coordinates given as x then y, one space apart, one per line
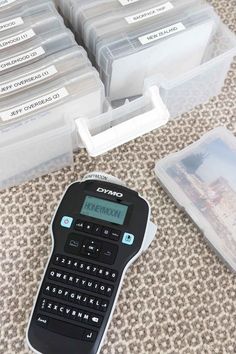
43 70
132 40
157 59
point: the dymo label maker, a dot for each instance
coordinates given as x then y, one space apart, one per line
99 229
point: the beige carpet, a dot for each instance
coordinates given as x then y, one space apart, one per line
178 297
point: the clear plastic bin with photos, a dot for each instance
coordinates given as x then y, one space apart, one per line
202 181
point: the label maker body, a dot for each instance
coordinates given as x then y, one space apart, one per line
99 229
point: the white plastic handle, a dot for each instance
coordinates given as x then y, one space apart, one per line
126 130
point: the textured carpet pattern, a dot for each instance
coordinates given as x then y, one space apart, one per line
178 298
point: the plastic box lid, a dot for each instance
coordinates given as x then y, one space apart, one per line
17 19
72 8
42 24
68 7
50 68
91 11
20 5
99 7
128 19
67 91
36 50
170 47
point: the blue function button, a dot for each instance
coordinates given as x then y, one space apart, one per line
66 221
128 239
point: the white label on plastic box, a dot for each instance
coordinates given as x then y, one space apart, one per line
28 80
6 2
19 38
155 11
34 105
15 22
127 2
164 32
22 58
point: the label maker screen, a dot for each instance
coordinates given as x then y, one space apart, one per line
104 210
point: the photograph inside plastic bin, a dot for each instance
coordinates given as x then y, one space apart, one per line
201 179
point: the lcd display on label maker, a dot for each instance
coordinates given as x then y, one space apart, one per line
99 229
104 210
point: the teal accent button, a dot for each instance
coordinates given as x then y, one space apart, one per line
128 239
66 221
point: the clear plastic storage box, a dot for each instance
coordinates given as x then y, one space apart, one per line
203 82
51 67
31 52
207 192
127 20
76 11
46 82
35 148
11 20
92 21
164 98
73 93
171 47
18 5
42 24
